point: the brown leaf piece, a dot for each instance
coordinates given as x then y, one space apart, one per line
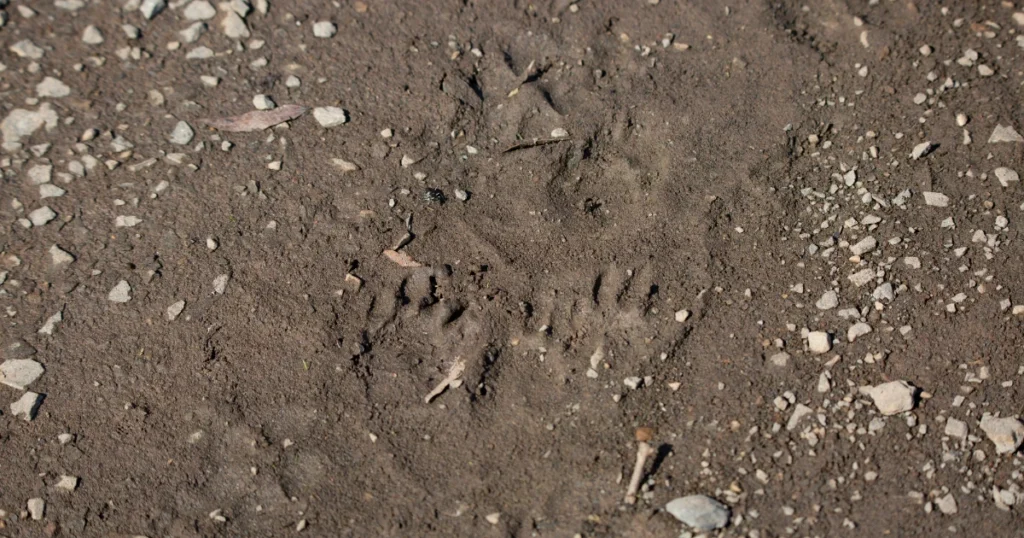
257 120
402 258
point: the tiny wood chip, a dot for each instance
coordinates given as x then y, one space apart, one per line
257 120
402 258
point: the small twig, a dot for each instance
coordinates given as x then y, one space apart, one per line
643 451
534 143
450 380
408 237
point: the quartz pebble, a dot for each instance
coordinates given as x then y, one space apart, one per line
324 29
828 300
1006 176
1004 133
699 512
52 87
199 10
330 116
819 342
92 35
182 134
263 102
935 199
175 310
151 8
36 508
67 483
20 373
27 406
121 292
922 149
1006 433
893 397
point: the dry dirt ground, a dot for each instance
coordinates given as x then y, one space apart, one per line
683 215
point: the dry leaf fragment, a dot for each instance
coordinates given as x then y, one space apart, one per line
402 258
450 380
256 120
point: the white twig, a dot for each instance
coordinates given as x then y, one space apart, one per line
643 451
450 380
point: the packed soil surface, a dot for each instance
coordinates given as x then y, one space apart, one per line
736 223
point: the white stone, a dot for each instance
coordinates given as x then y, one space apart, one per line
819 342
21 123
857 330
862 277
559 133
199 10
199 53
220 284
935 199
234 26
262 102
828 300
182 134
59 256
292 82
922 149
41 216
192 33
893 397
779 360
26 49
120 293
682 315
151 8
883 292
92 35
20 373
1006 433
175 310
131 31
36 508
49 190
40 174
52 87
799 412
946 504
1004 133
1006 176
864 246
27 406
51 323
344 166
67 483
324 29
126 221
330 116
956 429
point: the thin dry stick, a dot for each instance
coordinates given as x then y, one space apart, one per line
450 380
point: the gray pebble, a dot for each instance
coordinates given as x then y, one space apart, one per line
700 512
